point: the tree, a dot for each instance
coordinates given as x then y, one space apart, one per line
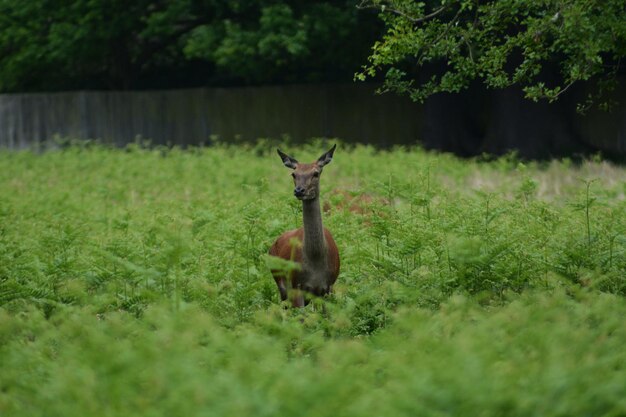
268 41
48 44
542 46
116 44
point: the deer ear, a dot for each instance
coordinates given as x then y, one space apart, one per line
288 161
327 157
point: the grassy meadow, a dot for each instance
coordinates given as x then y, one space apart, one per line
134 282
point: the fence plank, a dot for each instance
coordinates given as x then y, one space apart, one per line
468 123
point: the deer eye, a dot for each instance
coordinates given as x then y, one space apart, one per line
293 174
316 174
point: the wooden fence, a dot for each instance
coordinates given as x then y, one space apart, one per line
467 124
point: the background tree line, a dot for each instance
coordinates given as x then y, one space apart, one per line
419 48
116 44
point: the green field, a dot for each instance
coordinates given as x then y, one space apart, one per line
133 282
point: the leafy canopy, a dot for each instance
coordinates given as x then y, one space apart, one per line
115 44
543 46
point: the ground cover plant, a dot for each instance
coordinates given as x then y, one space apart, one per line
135 282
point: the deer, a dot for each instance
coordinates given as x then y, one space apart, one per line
311 246
355 203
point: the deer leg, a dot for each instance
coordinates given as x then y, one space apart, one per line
298 299
282 287
296 296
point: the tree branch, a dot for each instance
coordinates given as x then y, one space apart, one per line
153 46
366 5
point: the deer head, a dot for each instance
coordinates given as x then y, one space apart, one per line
306 177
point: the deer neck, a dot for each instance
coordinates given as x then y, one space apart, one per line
314 246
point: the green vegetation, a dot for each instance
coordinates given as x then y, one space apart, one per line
544 47
133 282
419 47
114 44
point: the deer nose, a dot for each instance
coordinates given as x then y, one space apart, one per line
298 191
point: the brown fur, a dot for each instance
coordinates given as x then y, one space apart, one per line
355 203
284 249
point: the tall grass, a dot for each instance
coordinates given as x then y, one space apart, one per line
133 282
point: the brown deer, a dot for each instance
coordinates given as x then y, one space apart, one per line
353 202
311 246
